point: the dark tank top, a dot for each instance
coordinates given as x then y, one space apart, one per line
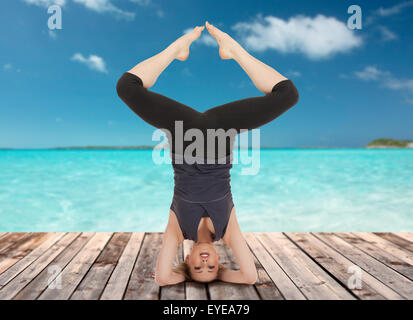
201 190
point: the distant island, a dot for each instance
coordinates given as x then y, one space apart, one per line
386 143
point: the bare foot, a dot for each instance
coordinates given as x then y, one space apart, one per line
227 46
183 43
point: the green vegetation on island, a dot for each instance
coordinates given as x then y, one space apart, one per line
390 143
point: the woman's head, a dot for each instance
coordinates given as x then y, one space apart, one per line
202 264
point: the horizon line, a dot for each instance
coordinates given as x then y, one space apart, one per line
154 147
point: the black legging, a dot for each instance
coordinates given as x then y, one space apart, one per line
246 114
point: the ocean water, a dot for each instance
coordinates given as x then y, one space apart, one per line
124 190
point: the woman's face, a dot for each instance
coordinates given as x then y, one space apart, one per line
203 262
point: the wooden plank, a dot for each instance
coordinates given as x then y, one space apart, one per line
177 291
14 241
266 289
93 284
193 290
48 239
118 281
219 290
282 261
74 272
21 248
405 235
401 242
142 284
47 276
383 250
309 277
49 253
11 238
388 276
273 283
338 266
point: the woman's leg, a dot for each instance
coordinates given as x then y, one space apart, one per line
263 76
251 113
156 109
150 69
254 112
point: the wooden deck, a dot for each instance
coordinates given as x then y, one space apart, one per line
290 266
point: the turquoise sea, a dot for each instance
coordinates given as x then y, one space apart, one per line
124 190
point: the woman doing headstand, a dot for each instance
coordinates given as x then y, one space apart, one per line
202 209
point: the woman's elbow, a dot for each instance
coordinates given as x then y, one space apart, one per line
252 278
160 281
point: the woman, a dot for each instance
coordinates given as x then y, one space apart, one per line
202 209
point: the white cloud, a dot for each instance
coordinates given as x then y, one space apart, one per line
293 73
205 38
103 6
100 6
385 79
384 12
316 38
10 67
160 13
387 34
187 72
146 3
370 73
53 34
46 3
93 62
408 100
399 84
141 2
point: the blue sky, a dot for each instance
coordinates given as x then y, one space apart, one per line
58 87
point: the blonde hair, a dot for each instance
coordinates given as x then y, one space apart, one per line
183 269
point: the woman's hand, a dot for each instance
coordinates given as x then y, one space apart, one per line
228 47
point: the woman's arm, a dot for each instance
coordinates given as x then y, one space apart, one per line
234 239
166 257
